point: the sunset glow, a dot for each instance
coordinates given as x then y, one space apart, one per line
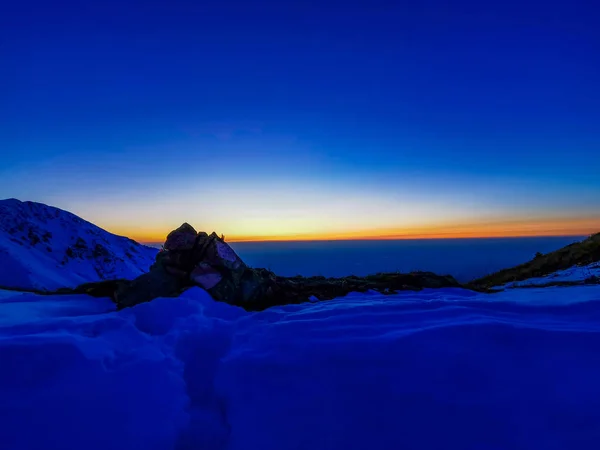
574 227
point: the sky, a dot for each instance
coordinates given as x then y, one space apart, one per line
305 119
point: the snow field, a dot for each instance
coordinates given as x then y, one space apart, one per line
415 370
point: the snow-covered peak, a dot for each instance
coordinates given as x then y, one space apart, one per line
45 248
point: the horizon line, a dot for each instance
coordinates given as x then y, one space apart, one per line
582 226
390 238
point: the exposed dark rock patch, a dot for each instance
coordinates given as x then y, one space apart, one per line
100 251
34 239
80 244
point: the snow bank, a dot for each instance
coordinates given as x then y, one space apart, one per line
91 381
436 369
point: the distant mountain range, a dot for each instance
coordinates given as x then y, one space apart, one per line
45 248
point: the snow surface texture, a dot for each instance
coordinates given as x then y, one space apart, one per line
575 274
46 248
436 369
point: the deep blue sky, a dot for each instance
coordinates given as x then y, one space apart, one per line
287 118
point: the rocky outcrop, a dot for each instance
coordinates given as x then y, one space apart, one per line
189 258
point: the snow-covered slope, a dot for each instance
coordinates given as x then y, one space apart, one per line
429 370
45 248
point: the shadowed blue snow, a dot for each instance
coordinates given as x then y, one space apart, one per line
435 369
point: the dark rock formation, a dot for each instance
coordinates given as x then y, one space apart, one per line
183 238
198 259
146 287
187 259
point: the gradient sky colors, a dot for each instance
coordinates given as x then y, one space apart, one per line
305 119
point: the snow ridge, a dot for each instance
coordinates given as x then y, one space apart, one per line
46 248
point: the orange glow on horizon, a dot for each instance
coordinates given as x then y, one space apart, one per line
511 228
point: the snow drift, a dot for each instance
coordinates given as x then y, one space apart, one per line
46 248
436 369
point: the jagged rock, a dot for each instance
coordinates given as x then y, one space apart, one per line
146 287
183 238
175 259
254 287
175 271
218 269
188 258
102 288
205 276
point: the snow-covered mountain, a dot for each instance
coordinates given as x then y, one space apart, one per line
46 248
